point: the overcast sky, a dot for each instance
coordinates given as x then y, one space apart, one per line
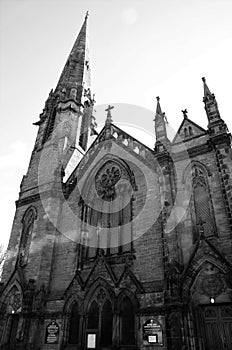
138 50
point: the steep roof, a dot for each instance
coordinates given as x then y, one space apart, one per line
188 130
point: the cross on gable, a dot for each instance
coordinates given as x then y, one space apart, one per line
185 113
108 109
109 117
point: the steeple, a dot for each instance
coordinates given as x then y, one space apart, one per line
215 123
162 141
67 115
76 69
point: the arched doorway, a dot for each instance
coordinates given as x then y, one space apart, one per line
99 327
127 328
216 331
110 320
13 325
212 308
74 324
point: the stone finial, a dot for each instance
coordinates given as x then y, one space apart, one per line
201 224
109 116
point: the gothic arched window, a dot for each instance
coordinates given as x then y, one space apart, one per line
100 318
27 228
127 322
190 131
74 325
13 304
106 324
202 200
50 125
93 316
106 222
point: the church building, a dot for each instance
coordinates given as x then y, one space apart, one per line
115 245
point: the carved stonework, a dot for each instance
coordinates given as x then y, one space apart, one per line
198 174
211 282
16 301
101 295
106 180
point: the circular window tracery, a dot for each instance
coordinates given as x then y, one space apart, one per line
106 180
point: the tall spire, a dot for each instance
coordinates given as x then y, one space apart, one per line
76 67
70 107
216 124
162 140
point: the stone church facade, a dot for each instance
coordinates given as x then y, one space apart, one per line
115 245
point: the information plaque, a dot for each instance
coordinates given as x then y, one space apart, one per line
91 340
52 333
152 333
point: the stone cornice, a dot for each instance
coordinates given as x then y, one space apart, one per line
36 197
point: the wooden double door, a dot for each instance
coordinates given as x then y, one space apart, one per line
217 327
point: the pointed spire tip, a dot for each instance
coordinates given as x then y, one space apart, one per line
87 14
203 79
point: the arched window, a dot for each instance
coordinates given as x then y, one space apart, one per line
185 132
202 201
27 228
93 316
50 125
106 324
13 303
100 318
106 222
127 322
74 325
190 131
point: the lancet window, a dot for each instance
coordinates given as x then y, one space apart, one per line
202 203
127 322
50 125
27 229
74 325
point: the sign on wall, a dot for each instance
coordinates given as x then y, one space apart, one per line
91 340
152 332
52 333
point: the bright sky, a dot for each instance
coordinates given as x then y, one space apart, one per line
139 49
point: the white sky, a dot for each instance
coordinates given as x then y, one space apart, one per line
139 49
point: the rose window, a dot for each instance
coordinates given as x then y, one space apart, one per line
106 180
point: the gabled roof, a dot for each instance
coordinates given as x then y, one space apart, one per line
205 250
101 268
121 138
197 130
